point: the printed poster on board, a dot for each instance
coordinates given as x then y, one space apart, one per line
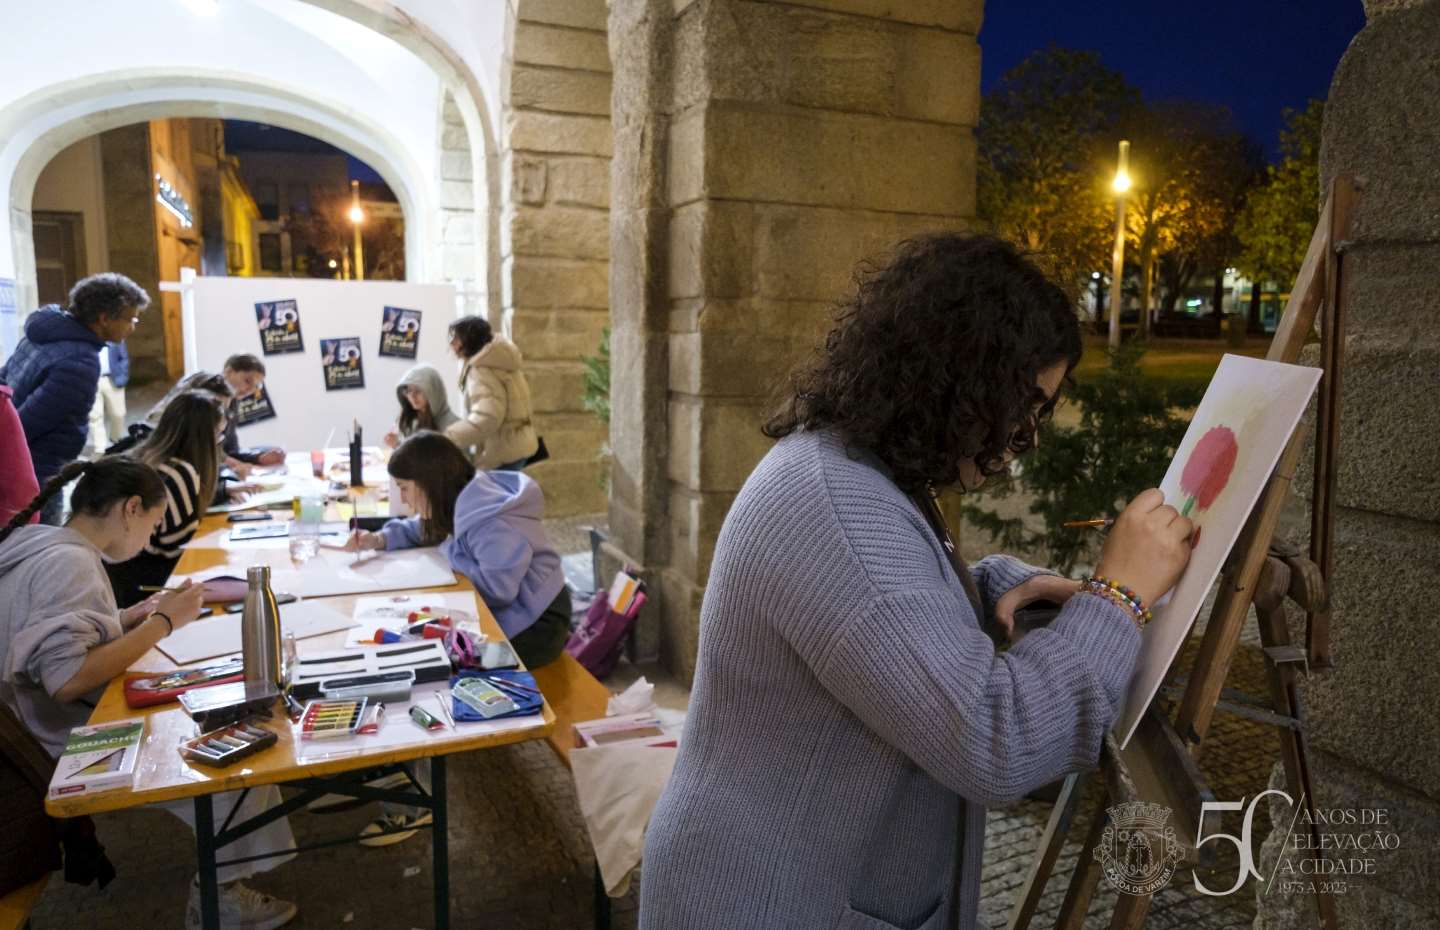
399 332
340 359
279 325
254 408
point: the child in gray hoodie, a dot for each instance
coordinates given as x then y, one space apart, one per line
62 640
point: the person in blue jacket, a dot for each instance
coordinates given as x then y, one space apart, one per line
55 370
488 524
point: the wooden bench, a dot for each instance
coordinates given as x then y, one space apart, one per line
575 696
16 906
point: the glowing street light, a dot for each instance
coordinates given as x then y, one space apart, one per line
357 216
1121 186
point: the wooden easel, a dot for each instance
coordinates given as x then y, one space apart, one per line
1158 765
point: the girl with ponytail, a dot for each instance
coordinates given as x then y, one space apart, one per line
63 639
185 451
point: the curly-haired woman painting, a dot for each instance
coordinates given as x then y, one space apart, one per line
851 718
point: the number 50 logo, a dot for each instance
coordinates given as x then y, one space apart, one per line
1242 842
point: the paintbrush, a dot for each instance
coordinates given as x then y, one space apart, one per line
1099 523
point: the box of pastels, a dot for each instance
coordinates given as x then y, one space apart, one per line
226 745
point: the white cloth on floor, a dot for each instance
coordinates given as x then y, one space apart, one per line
273 837
617 787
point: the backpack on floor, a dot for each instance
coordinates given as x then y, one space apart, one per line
600 638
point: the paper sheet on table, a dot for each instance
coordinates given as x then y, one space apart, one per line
259 499
392 612
617 787
333 572
220 635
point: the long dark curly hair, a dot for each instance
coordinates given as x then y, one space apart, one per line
934 359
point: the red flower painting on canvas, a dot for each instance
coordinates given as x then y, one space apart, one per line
1208 470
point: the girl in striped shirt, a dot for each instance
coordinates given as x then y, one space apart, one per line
185 450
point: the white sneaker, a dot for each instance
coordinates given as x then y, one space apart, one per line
241 908
334 803
405 827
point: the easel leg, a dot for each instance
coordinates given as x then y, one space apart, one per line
205 856
1051 842
1130 912
1085 878
1285 695
440 843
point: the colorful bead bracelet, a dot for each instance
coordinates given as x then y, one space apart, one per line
1119 594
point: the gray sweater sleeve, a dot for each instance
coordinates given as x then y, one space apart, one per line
991 726
75 617
890 633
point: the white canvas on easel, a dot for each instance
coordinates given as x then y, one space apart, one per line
220 635
1235 439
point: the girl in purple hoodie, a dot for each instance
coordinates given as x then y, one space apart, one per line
488 524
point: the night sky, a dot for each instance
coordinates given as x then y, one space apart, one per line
1255 56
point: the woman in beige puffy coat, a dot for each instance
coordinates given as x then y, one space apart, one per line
495 429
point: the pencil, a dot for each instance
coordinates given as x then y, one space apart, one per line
1099 523
156 587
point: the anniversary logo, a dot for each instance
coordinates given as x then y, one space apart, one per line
279 325
399 332
254 408
340 359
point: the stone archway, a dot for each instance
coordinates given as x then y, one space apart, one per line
47 123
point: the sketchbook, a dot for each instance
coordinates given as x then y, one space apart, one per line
220 635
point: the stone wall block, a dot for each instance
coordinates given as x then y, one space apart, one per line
1386 462
581 182
456 166
680 624
1353 710
711 250
560 90
1392 292
558 334
714 444
695 521
577 14
556 283
525 176
565 134
458 228
811 254
837 160
563 232
956 15
580 49
571 487
556 387
938 77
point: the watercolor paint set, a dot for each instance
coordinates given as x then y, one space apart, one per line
222 747
326 719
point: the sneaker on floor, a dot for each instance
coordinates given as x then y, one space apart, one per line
241 908
405 827
335 803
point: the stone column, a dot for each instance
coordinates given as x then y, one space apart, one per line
555 229
763 149
130 232
1374 735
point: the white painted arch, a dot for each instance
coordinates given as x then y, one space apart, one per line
40 127
368 76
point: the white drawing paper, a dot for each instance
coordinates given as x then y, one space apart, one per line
1222 465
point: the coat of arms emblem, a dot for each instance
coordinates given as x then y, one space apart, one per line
1138 849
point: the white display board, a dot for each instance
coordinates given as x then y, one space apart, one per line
220 321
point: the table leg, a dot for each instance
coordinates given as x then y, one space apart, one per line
440 840
205 862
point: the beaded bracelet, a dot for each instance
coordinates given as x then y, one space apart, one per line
1119 594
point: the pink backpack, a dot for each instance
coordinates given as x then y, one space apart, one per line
600 637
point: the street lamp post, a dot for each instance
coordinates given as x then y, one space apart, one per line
357 216
1121 186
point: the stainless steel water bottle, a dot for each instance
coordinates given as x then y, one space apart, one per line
260 629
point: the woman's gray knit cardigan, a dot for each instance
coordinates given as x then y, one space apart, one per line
850 720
